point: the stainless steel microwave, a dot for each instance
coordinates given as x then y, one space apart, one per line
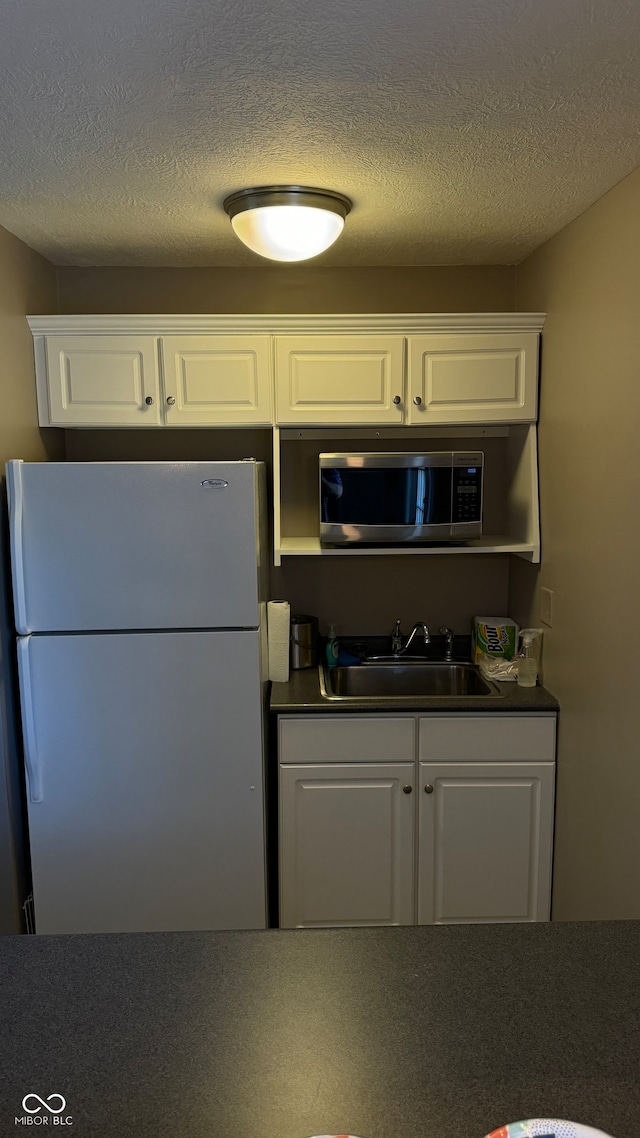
399 498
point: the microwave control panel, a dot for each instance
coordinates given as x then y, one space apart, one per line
467 494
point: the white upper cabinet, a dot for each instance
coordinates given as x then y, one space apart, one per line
339 379
101 381
147 379
480 378
391 370
216 380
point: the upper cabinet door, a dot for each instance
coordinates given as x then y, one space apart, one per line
217 380
339 379
483 378
103 381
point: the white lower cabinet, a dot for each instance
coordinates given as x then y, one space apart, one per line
427 819
485 834
347 844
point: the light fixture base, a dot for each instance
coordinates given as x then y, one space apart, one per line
258 196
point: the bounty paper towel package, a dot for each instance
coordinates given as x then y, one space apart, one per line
495 636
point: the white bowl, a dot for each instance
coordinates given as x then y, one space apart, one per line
547 1128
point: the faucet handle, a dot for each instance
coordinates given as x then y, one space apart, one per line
448 635
396 637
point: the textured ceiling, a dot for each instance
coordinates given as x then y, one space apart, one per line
465 131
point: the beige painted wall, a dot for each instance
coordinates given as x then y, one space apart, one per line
290 288
587 279
27 285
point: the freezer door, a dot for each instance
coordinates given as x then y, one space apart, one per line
144 781
128 545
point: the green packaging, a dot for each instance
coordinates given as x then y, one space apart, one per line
495 636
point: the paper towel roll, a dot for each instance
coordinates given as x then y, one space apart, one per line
278 631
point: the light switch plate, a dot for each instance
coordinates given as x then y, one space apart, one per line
546 607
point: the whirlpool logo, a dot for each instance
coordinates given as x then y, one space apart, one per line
40 1111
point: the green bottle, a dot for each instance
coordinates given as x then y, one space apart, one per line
333 648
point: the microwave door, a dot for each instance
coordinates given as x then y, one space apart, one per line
436 511
415 491
424 506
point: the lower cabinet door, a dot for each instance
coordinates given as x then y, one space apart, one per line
347 844
485 842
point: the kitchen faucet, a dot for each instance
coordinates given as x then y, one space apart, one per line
397 648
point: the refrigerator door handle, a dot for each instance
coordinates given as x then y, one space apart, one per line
14 488
34 775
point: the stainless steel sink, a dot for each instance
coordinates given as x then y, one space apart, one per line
406 679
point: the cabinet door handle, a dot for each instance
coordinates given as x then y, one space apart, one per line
170 400
149 400
407 789
417 401
397 400
428 788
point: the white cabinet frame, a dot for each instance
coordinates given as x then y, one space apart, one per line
177 371
522 536
373 347
165 385
476 789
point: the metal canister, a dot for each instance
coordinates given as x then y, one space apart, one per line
303 650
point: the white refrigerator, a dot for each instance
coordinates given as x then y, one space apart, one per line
140 606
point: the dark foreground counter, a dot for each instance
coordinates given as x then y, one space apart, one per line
438 1032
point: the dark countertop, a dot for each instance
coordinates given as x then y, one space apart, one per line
432 1032
302 693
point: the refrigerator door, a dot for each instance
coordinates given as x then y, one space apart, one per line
116 545
144 780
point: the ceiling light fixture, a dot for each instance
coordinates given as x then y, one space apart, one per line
287 223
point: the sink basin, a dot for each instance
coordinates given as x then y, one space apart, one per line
404 680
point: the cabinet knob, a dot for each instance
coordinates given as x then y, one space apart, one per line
428 788
170 400
149 400
417 401
397 400
407 789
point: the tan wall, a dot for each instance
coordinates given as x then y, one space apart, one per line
587 279
27 285
477 288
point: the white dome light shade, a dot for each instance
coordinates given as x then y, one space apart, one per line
287 223
288 232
